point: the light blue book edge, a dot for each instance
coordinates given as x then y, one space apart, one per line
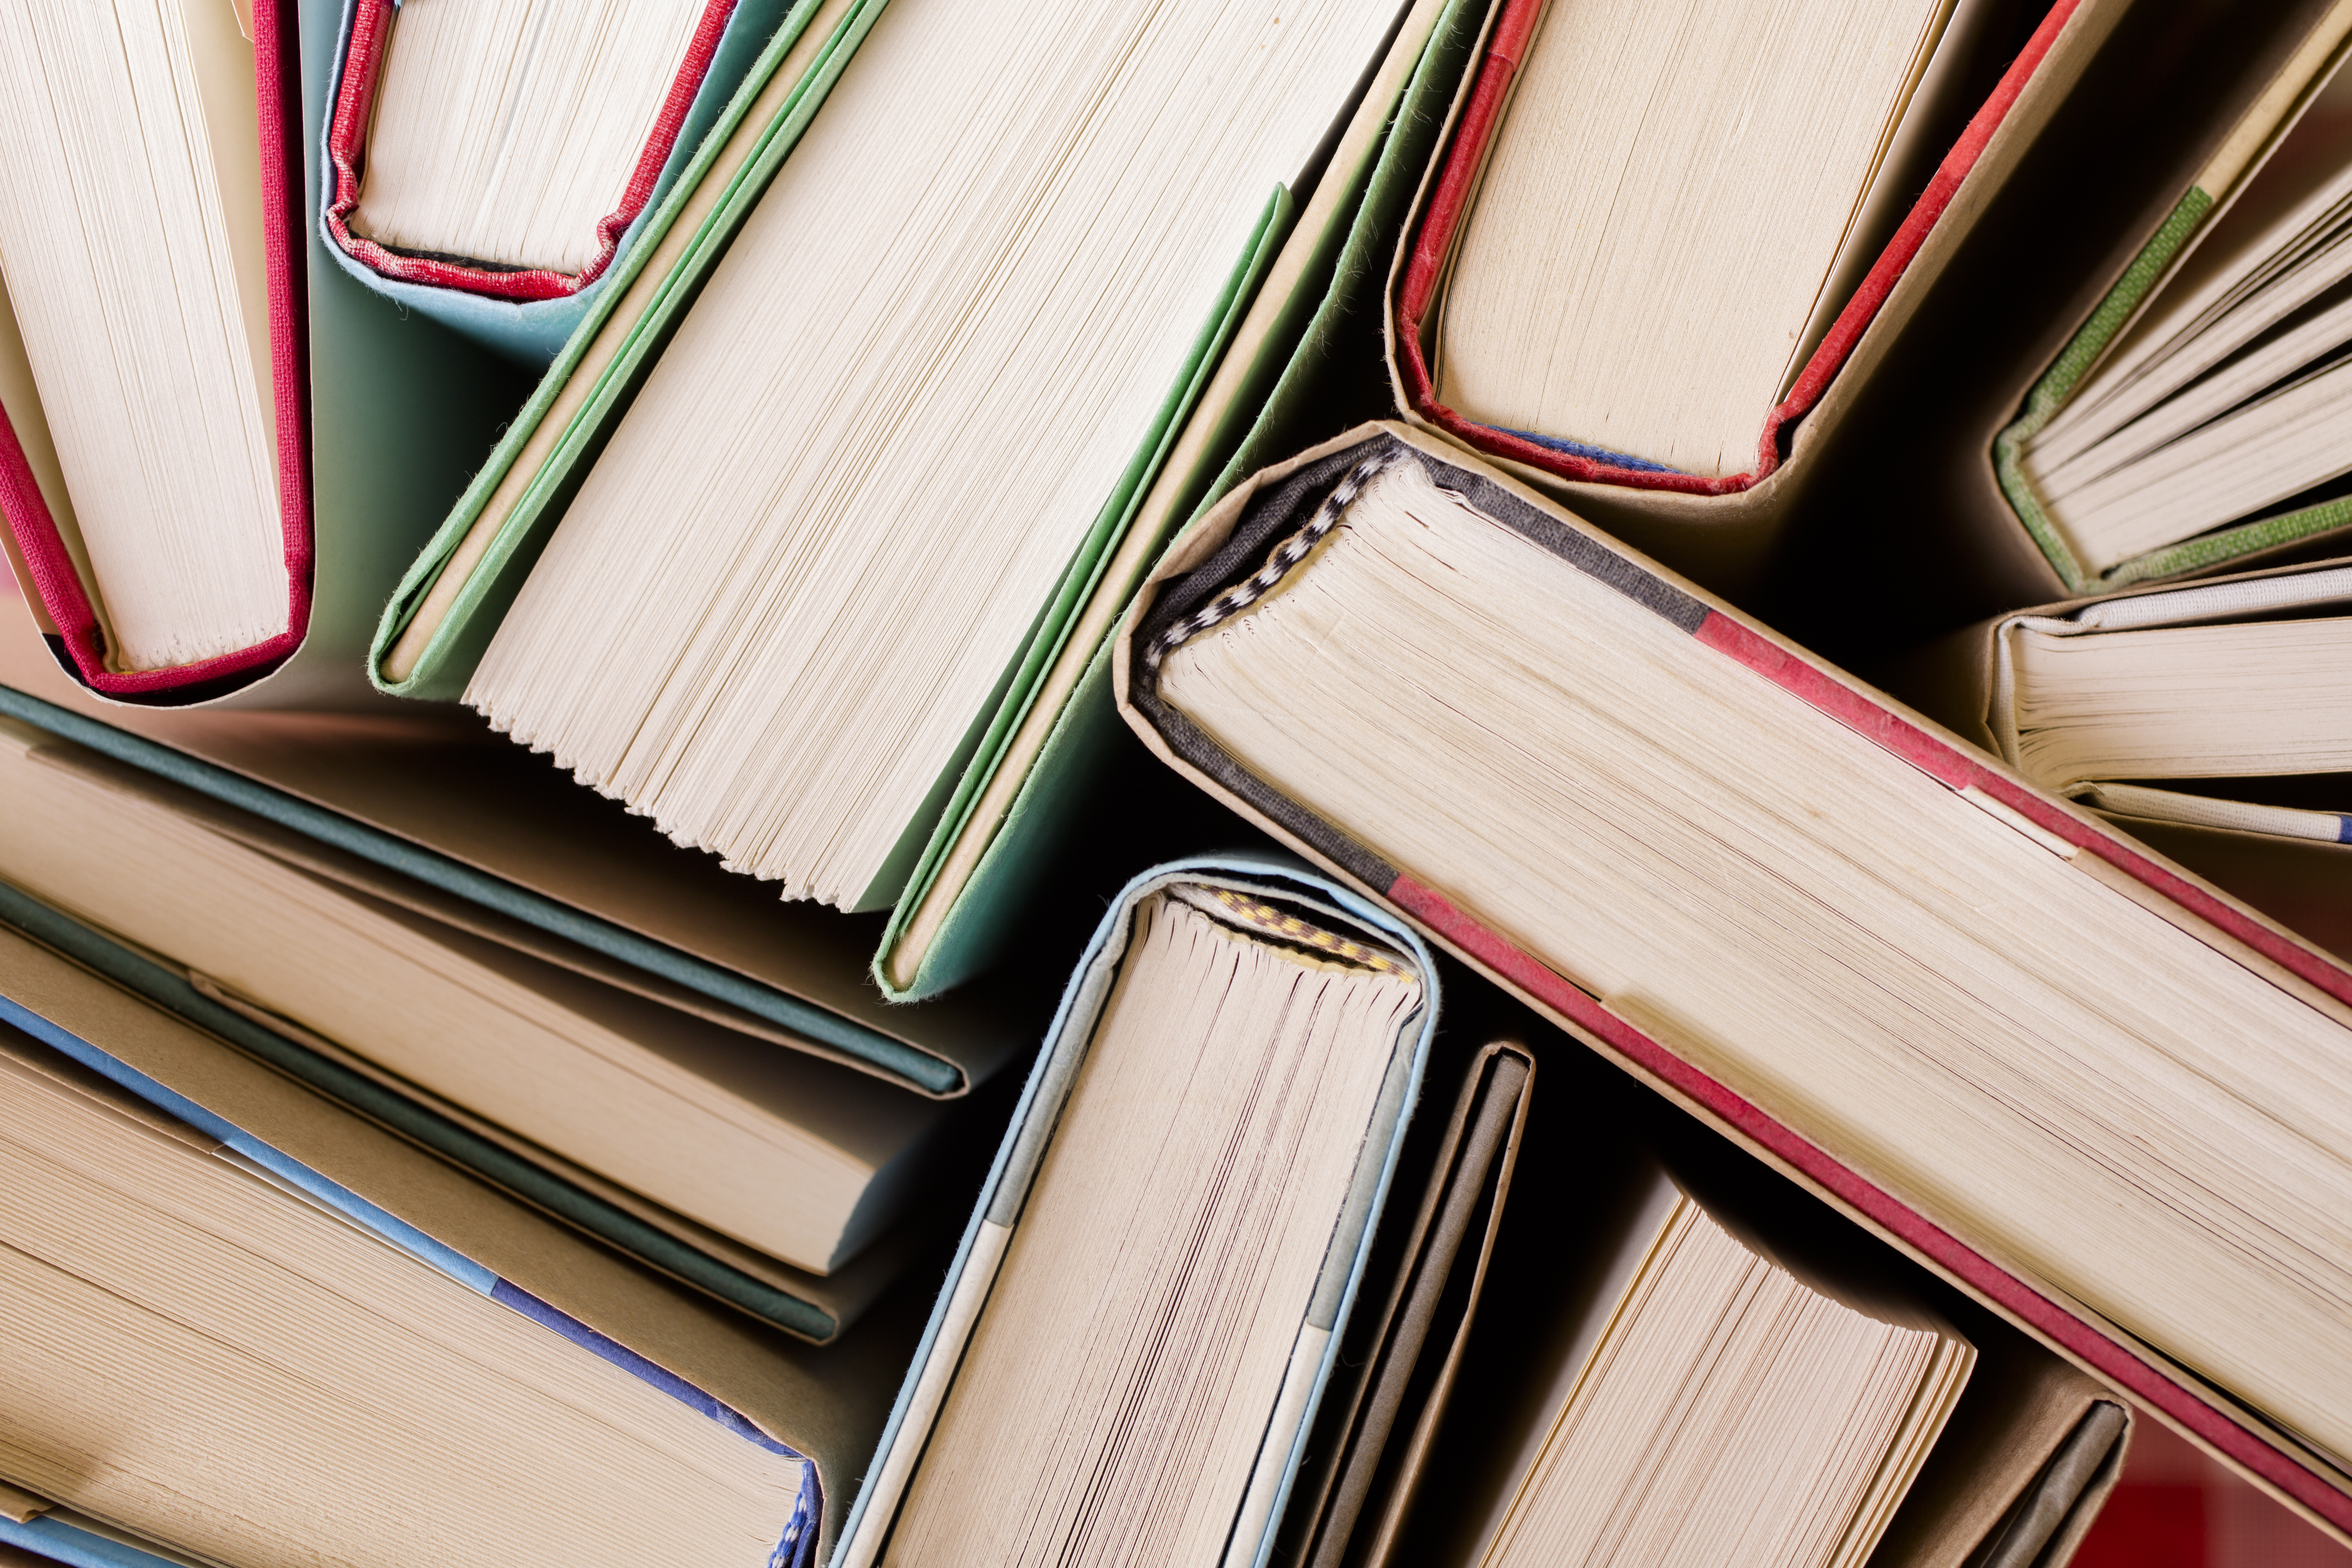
1042 1098
66 1542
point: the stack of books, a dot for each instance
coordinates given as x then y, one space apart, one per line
810 784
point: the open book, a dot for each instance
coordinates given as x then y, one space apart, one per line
1914 979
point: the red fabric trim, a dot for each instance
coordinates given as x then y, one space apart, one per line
1449 205
275 61
1958 769
2117 1362
347 151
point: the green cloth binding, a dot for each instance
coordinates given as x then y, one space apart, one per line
418 1123
2058 384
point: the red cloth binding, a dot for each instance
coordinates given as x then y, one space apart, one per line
347 151
277 63
2138 1377
1449 205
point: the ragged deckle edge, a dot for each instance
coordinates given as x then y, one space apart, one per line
828 1034
433 674
2242 152
1263 510
988 1235
416 1122
903 889
1430 242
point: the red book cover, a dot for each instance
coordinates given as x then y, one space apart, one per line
70 621
1263 512
1447 203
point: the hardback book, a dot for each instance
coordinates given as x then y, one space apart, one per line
2079 1082
1150 1297
217 451
2201 718
1588 1296
1661 252
1362 1470
2197 416
505 847
773 1178
247 1326
902 745
489 165
1715 1402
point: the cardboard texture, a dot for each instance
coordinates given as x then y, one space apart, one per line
2266 1455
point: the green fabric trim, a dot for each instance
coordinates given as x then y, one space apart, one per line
1086 568
1289 383
2067 372
417 1123
459 643
821 1025
2228 545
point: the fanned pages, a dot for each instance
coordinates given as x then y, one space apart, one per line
165 542
777 612
2104 1084
2198 415
1131 1344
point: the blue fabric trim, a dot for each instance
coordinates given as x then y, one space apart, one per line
382 849
1583 449
2344 830
335 1195
62 1542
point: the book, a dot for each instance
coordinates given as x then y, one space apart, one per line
1716 1400
292 1336
2196 719
2190 420
1148 1302
513 852
375 415
1976 1016
1379 1436
2020 1461
491 165
1598 291
167 533
713 1138
955 778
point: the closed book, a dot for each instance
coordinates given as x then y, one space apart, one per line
2199 719
1940 997
1652 267
2192 419
296 1338
981 785
1150 1297
491 168
227 538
